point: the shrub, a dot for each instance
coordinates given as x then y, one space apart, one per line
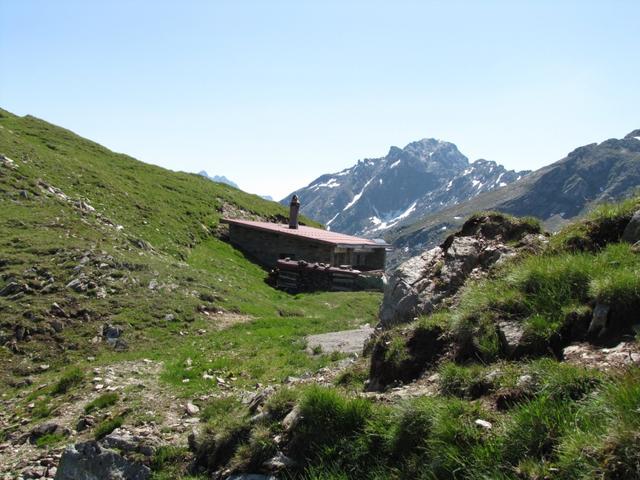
412 427
42 409
69 379
103 401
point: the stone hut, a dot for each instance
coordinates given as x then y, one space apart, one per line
269 242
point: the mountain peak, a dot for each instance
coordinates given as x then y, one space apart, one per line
218 178
377 194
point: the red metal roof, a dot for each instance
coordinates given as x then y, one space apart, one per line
316 234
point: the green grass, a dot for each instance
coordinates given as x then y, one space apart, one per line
103 401
69 379
105 427
603 224
50 439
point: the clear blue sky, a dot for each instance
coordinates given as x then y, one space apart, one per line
273 94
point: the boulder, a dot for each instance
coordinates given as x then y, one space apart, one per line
403 300
292 419
631 232
511 335
421 283
90 461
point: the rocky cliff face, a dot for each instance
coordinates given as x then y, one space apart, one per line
377 194
589 175
423 282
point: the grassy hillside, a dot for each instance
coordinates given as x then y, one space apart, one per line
105 261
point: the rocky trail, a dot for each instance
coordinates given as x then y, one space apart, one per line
157 416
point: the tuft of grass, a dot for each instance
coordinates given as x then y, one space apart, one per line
168 456
282 402
601 226
69 379
328 422
107 426
42 409
463 381
48 440
103 401
218 411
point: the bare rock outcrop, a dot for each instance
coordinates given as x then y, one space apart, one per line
421 283
93 462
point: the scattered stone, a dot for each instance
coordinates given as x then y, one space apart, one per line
192 409
169 317
77 285
85 422
279 462
111 332
58 311
524 381
57 325
12 288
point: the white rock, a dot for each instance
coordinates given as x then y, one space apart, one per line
483 424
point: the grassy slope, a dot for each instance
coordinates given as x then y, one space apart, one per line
149 224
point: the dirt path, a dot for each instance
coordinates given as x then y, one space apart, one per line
346 341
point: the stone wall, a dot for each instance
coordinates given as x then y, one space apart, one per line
268 247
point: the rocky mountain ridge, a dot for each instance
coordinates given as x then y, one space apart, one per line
587 176
377 194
